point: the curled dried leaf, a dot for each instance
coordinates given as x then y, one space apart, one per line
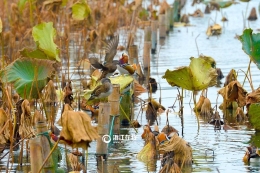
206 109
234 92
232 76
200 103
253 97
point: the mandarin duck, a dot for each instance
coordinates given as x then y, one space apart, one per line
103 90
124 67
109 66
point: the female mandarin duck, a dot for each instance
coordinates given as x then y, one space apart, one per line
103 90
124 67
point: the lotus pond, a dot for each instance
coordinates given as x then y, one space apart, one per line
213 150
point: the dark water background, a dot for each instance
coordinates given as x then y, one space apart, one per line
228 146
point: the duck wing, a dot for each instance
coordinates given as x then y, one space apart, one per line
111 49
96 64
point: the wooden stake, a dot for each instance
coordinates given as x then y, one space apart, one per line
146 54
103 130
154 27
114 100
41 128
162 26
133 54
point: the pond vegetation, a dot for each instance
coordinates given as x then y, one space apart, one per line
61 62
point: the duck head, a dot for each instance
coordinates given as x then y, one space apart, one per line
123 59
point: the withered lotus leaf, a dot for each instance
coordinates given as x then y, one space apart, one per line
77 129
206 109
232 76
215 29
253 97
234 92
200 103
199 75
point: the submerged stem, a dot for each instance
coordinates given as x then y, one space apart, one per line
196 112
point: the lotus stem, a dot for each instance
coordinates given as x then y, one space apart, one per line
247 4
4 126
127 118
31 12
15 146
246 76
197 44
217 102
182 112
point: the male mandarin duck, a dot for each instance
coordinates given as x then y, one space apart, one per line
110 65
124 67
103 90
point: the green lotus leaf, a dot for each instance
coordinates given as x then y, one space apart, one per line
199 75
29 76
255 139
251 45
37 53
80 10
225 4
43 35
254 115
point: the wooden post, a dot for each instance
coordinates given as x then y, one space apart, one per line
49 165
168 19
114 100
171 18
133 54
36 155
147 33
146 55
154 27
103 131
162 26
147 47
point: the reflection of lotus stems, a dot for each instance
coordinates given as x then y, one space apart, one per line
246 76
196 112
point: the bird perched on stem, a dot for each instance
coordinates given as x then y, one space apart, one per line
109 66
124 67
103 90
